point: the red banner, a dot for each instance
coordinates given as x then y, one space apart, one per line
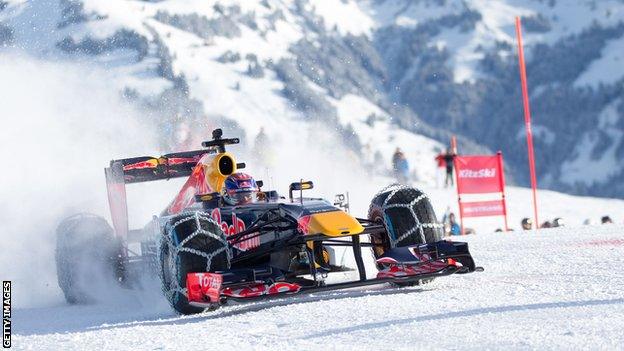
478 174
482 208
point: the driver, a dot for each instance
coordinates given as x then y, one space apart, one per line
240 189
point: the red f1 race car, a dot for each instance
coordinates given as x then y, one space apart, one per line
223 237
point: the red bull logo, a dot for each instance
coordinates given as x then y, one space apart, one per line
152 163
237 226
194 185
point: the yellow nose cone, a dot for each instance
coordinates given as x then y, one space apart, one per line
334 223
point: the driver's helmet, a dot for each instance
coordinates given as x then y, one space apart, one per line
240 189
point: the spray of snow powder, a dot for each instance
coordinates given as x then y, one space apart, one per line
62 123
60 126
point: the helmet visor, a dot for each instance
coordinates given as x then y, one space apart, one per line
242 197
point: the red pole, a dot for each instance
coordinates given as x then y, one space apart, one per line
501 179
527 117
454 152
459 201
454 144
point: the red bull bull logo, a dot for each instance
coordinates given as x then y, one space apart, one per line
152 163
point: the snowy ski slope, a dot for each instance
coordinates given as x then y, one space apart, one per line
554 289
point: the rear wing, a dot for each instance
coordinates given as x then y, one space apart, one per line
144 169
147 169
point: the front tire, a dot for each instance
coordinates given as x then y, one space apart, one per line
408 217
191 243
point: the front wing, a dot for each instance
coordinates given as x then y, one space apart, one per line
398 265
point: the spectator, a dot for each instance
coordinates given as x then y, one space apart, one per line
606 220
588 221
526 223
454 228
449 156
558 222
400 166
546 224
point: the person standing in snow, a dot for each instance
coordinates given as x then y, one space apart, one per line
400 166
449 156
454 228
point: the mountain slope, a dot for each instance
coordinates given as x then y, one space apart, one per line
454 64
433 68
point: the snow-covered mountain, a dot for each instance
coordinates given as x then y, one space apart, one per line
455 64
375 74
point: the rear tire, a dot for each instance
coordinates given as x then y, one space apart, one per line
191 243
88 257
409 219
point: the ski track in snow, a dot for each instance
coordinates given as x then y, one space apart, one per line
554 289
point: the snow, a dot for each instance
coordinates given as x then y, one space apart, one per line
539 132
346 16
57 139
382 137
586 169
273 46
566 17
554 289
574 210
35 32
408 13
270 42
607 69
464 58
119 14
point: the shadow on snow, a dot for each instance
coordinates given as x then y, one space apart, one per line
465 313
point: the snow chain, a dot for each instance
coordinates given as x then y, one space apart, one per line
174 250
394 188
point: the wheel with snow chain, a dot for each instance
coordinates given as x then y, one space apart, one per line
408 217
88 258
191 243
